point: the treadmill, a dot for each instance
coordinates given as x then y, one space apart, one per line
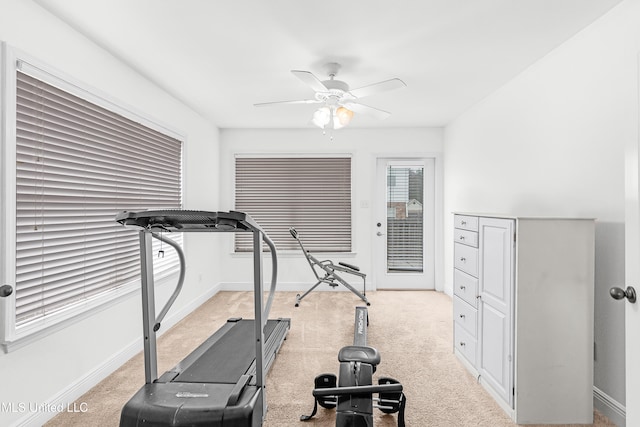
222 382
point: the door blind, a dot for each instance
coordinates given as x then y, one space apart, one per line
311 194
405 219
77 165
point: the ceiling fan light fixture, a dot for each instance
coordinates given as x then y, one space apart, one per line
331 117
321 117
344 115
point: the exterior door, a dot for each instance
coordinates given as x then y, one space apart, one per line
404 224
495 361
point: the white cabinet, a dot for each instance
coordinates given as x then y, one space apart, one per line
495 312
523 313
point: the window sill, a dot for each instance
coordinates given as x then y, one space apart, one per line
37 329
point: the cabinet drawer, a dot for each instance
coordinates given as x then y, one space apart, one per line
466 258
465 315
464 343
465 222
466 237
465 287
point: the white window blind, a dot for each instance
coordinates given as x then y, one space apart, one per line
312 194
405 219
77 165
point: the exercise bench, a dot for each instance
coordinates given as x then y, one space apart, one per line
326 271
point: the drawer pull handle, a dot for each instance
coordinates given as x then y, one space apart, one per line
462 343
463 222
463 287
462 316
463 259
461 237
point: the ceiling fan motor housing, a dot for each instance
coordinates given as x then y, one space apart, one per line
336 85
338 91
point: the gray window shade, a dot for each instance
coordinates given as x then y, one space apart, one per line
77 165
311 194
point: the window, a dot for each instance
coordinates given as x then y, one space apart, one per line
312 194
78 160
405 218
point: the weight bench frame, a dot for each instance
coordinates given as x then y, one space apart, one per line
326 272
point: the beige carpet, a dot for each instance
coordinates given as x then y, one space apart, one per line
412 330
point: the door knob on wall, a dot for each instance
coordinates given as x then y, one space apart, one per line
5 290
619 293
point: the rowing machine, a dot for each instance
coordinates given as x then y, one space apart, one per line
353 395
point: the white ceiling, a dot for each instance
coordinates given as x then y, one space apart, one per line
221 57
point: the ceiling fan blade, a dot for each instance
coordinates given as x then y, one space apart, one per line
365 109
384 86
300 101
310 80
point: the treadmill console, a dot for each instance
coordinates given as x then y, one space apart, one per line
187 220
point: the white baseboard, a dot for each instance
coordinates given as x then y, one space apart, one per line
288 287
609 407
64 400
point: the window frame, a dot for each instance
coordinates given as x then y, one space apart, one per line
353 208
12 60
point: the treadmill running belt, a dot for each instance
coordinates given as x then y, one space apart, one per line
229 358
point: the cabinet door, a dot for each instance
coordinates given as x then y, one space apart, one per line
496 272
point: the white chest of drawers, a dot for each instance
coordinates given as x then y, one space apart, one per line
465 286
523 313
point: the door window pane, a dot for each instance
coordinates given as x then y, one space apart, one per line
405 200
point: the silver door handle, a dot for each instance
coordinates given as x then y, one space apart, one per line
379 234
619 293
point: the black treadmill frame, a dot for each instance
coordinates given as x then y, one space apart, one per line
159 221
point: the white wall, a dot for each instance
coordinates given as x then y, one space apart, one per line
61 366
548 143
551 143
364 146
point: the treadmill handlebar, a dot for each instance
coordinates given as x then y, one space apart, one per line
274 276
178 288
178 220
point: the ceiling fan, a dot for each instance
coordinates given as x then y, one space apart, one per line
338 101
